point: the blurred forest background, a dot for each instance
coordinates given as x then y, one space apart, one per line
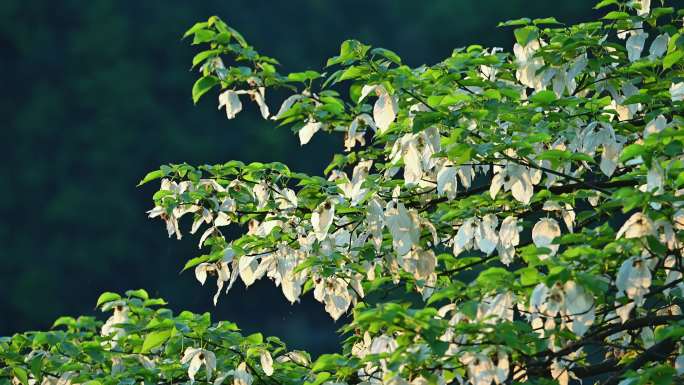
97 93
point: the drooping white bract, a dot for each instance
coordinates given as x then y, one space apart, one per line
635 44
543 234
634 279
385 107
111 328
231 101
566 211
659 46
637 226
334 293
644 7
655 126
321 219
241 375
220 269
307 132
266 362
493 310
286 199
261 194
447 180
602 134
353 134
579 306
486 237
528 64
570 301
198 357
419 262
677 92
465 236
509 238
404 226
352 189
482 370
515 178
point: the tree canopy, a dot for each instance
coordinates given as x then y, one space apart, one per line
493 218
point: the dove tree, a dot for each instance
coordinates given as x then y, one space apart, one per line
494 218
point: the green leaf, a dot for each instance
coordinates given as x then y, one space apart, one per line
66 321
155 339
387 54
140 293
605 3
544 97
320 378
195 28
303 76
202 56
546 20
632 151
21 374
616 15
152 175
202 85
529 276
526 34
353 73
673 58
516 22
107 297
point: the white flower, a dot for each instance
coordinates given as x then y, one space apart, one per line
248 266
310 128
286 199
509 237
404 225
654 126
241 376
637 226
568 300
447 180
385 107
543 234
567 212
111 327
635 44
677 91
528 65
230 100
421 263
220 269
266 362
321 219
333 292
486 237
513 177
644 7
465 236
352 189
634 278
579 306
198 357
659 46
261 193
353 135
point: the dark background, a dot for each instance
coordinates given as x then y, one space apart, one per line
96 93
